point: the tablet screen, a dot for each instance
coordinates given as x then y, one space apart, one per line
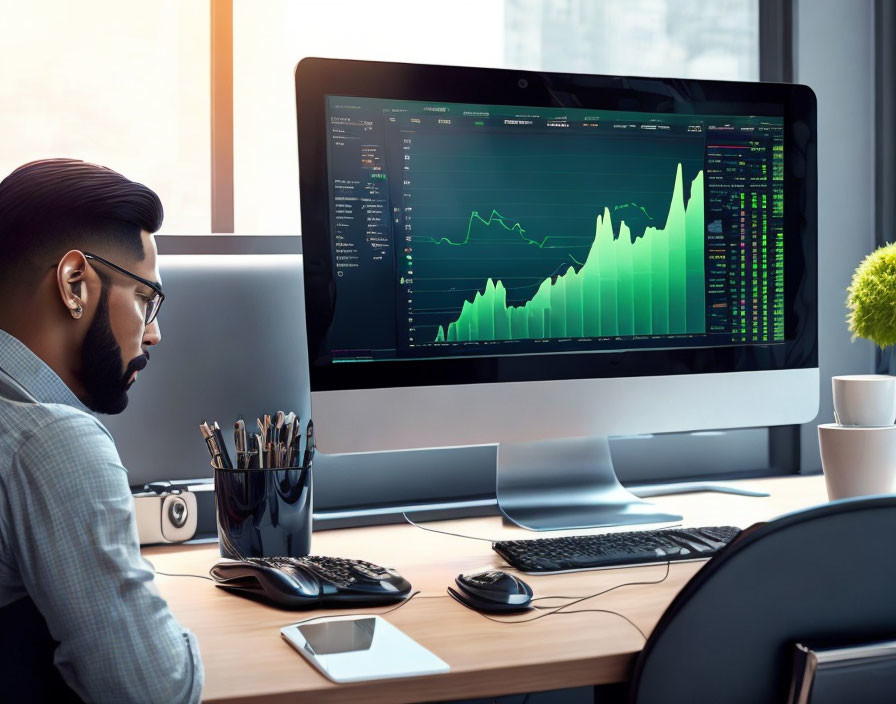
338 636
352 649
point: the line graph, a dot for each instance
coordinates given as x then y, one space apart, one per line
650 285
522 209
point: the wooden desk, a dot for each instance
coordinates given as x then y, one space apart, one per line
246 659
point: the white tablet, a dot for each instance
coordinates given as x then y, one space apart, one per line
356 648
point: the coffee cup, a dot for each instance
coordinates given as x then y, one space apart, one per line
866 400
858 461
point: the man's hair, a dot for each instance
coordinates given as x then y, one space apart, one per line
51 206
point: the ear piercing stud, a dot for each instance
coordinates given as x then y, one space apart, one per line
76 313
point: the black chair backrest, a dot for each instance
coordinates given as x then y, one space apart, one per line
822 575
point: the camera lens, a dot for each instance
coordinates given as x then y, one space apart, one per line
177 513
523 83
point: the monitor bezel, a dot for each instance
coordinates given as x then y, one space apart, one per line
316 78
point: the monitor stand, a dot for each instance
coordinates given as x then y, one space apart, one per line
568 483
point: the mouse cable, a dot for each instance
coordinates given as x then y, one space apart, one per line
605 591
174 574
557 611
445 532
405 601
491 540
561 609
378 613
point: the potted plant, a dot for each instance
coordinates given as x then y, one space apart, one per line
858 451
871 298
870 399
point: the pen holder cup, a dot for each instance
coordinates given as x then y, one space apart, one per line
263 512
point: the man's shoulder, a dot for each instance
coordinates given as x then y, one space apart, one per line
47 435
31 420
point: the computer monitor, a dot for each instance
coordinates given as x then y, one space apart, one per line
542 260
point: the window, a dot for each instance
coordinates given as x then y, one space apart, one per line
686 38
271 37
661 37
125 85
128 84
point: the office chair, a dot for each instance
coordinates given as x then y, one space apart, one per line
823 575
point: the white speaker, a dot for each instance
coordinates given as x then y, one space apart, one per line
169 517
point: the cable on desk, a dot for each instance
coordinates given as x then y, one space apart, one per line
605 591
410 596
562 613
445 532
378 613
560 609
174 574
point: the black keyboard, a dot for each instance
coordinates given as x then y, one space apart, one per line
340 572
588 552
311 581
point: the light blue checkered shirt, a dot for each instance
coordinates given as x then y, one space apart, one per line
68 539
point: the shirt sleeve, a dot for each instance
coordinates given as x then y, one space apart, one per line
75 541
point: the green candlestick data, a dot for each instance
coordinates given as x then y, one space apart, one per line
652 286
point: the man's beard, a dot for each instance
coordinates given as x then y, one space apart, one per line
106 386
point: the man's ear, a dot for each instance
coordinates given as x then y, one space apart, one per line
70 280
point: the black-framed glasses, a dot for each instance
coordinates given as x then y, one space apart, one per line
153 303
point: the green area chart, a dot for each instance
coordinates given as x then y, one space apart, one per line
653 285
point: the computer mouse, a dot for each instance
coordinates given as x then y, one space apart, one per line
285 585
492 590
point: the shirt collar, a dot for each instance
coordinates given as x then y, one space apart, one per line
33 374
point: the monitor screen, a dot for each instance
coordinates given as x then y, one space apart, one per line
473 230
544 260
469 226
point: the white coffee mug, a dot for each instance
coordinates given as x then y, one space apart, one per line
858 461
864 399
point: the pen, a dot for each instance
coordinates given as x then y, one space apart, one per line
259 448
223 456
211 443
216 454
259 451
237 444
206 435
242 443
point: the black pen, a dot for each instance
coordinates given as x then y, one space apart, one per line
238 444
222 448
244 441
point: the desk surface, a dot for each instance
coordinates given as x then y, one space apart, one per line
245 658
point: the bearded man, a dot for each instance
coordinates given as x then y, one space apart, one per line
80 617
